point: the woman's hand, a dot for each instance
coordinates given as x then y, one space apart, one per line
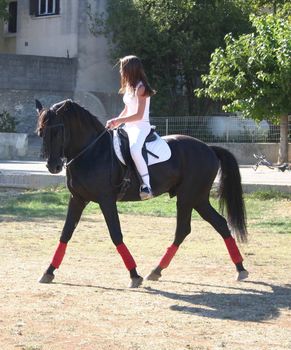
112 123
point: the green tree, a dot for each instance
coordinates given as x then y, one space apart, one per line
7 122
3 9
175 39
253 74
274 6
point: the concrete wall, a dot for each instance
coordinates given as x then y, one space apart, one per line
97 82
38 73
13 146
244 151
95 71
7 40
25 78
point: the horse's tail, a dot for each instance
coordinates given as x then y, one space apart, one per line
231 194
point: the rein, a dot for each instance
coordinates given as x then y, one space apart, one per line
86 148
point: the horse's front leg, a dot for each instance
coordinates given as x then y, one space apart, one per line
109 210
75 209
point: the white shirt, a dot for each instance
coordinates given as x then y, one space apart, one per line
130 99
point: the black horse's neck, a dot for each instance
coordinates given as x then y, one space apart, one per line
82 130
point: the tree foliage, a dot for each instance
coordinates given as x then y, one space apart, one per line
174 39
7 122
253 72
3 9
274 6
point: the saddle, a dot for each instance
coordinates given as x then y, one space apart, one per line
154 150
125 150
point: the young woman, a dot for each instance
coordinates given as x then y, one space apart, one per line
135 115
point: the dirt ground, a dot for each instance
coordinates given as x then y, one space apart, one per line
196 305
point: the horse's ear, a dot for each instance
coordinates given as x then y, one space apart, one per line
38 106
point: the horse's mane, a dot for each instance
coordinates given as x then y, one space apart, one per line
43 116
85 116
81 115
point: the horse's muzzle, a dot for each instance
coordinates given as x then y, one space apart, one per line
55 166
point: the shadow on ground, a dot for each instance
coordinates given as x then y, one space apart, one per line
246 304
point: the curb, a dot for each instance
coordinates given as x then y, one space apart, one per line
31 181
249 188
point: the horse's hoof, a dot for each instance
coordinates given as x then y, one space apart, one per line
153 276
135 282
242 275
46 278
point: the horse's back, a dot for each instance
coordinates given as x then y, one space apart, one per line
191 169
194 151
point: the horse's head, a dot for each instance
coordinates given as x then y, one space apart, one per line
67 129
51 128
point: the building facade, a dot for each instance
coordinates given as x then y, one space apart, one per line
47 52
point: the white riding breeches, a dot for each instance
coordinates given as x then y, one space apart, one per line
137 133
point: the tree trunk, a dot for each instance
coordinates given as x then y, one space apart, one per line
283 147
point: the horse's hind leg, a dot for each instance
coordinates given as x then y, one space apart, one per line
74 213
208 213
183 228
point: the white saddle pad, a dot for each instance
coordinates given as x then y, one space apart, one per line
159 147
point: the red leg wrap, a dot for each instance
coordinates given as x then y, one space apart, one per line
233 250
126 256
168 256
59 255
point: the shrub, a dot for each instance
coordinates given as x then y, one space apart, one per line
7 122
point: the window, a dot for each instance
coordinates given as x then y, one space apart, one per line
12 20
44 7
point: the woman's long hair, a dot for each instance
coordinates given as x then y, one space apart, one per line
131 73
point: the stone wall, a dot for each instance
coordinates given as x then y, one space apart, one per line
13 145
25 78
26 72
21 105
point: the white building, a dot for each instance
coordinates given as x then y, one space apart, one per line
58 29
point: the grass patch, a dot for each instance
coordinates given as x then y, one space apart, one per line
276 226
263 208
269 195
162 206
35 204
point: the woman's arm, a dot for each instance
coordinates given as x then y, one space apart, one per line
114 122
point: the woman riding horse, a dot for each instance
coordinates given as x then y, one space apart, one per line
95 174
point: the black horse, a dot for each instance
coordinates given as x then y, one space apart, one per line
95 174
